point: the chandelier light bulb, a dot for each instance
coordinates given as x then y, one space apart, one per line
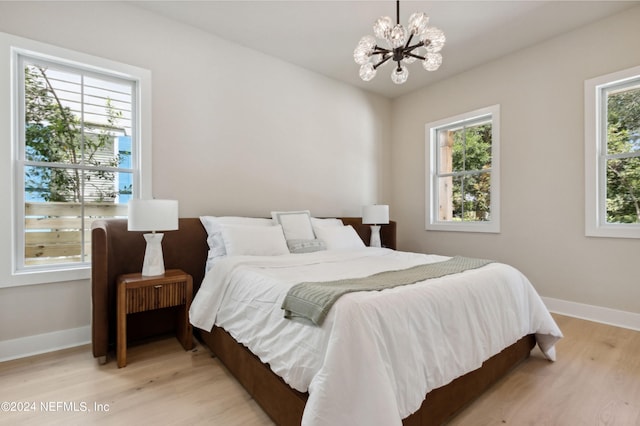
367 71
436 39
361 55
382 28
403 47
400 75
368 42
432 61
418 22
398 36
363 51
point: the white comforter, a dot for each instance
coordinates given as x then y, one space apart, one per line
377 353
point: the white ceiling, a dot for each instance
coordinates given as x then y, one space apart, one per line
320 35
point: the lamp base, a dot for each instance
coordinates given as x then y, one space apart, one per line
153 260
375 236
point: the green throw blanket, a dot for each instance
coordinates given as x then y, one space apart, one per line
312 300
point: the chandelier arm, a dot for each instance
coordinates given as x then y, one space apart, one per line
380 50
422 58
408 40
410 48
384 59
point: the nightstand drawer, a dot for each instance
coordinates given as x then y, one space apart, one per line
155 297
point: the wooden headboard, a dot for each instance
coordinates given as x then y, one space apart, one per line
116 251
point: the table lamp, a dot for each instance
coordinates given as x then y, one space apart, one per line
375 216
153 215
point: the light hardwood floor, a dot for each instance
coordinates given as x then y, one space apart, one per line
595 381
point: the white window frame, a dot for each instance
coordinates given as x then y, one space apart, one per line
432 222
11 47
595 139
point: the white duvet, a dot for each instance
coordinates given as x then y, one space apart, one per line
377 354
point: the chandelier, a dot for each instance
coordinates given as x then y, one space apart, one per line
370 56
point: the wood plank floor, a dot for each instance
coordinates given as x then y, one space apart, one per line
596 381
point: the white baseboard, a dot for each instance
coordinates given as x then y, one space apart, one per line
42 343
608 316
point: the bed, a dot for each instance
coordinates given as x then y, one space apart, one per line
116 251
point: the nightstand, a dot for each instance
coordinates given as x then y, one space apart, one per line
138 293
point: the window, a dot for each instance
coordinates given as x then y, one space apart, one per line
78 155
462 168
70 122
612 155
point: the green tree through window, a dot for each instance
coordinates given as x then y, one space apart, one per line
77 157
472 154
54 134
623 155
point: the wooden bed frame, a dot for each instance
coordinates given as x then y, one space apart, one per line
116 251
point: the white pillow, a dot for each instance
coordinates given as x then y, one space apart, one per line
254 240
317 222
340 237
212 225
295 224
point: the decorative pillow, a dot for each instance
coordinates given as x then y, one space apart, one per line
340 237
306 246
254 240
212 225
295 224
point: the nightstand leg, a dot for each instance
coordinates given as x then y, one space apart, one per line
121 346
184 329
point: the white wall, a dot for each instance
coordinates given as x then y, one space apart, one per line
234 132
540 90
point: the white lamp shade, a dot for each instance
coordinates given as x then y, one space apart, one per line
152 215
375 215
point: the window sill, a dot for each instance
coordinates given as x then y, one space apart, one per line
613 231
34 277
485 227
